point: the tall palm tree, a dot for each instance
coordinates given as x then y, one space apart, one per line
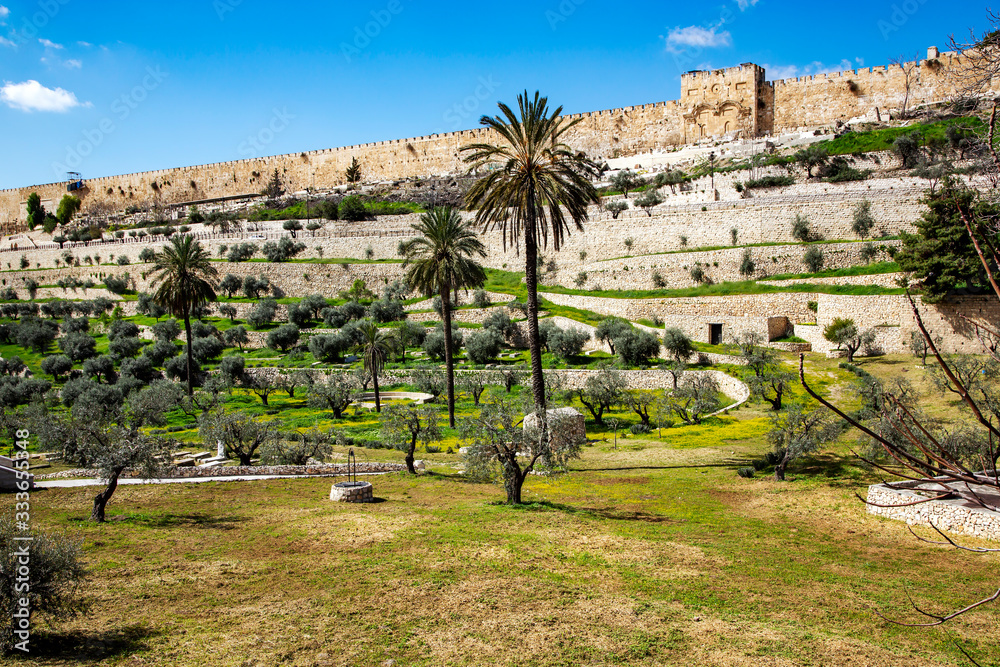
375 348
537 188
441 260
185 280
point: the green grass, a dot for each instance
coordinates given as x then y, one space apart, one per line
878 268
724 289
648 551
881 140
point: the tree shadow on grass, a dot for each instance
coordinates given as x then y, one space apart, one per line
728 463
841 470
610 513
193 520
83 646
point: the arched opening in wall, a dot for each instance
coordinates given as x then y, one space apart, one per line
727 128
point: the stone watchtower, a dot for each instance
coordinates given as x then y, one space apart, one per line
731 101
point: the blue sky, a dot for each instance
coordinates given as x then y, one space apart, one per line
116 87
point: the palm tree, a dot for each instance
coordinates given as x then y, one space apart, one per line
440 260
536 189
186 281
374 350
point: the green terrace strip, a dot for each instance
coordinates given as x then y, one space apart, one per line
311 260
726 289
876 269
710 248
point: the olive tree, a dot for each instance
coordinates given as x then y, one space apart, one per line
696 396
403 426
335 392
601 392
241 433
797 431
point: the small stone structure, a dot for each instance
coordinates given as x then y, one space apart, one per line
568 426
959 514
352 492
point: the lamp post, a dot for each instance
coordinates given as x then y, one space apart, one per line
711 167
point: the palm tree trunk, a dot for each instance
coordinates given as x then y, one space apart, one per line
187 330
534 340
378 403
449 359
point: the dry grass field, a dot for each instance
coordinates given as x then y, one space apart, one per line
654 553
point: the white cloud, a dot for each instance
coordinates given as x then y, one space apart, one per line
779 72
6 42
32 96
746 4
73 64
4 13
85 45
703 38
49 44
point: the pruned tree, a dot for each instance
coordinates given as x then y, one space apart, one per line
910 66
241 433
335 392
846 335
403 426
509 377
601 391
501 448
642 402
474 384
609 329
762 370
797 431
261 384
678 345
697 395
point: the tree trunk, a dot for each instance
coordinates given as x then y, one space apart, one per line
534 340
245 459
187 330
449 359
779 470
378 402
102 498
409 456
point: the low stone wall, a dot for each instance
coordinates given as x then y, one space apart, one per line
962 519
325 469
674 269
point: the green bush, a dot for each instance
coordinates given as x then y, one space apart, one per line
769 182
352 209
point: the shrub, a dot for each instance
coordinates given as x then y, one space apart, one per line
57 365
802 229
814 259
698 275
483 346
387 311
907 149
616 207
283 250
480 299
160 351
205 349
769 182
232 368
263 313
868 253
501 323
122 260
117 285
241 252
51 585
283 337
640 429
747 266
746 472
863 221
566 343
635 347
167 330
659 282
328 348
352 209
78 346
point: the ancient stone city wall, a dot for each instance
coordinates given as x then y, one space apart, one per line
726 101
